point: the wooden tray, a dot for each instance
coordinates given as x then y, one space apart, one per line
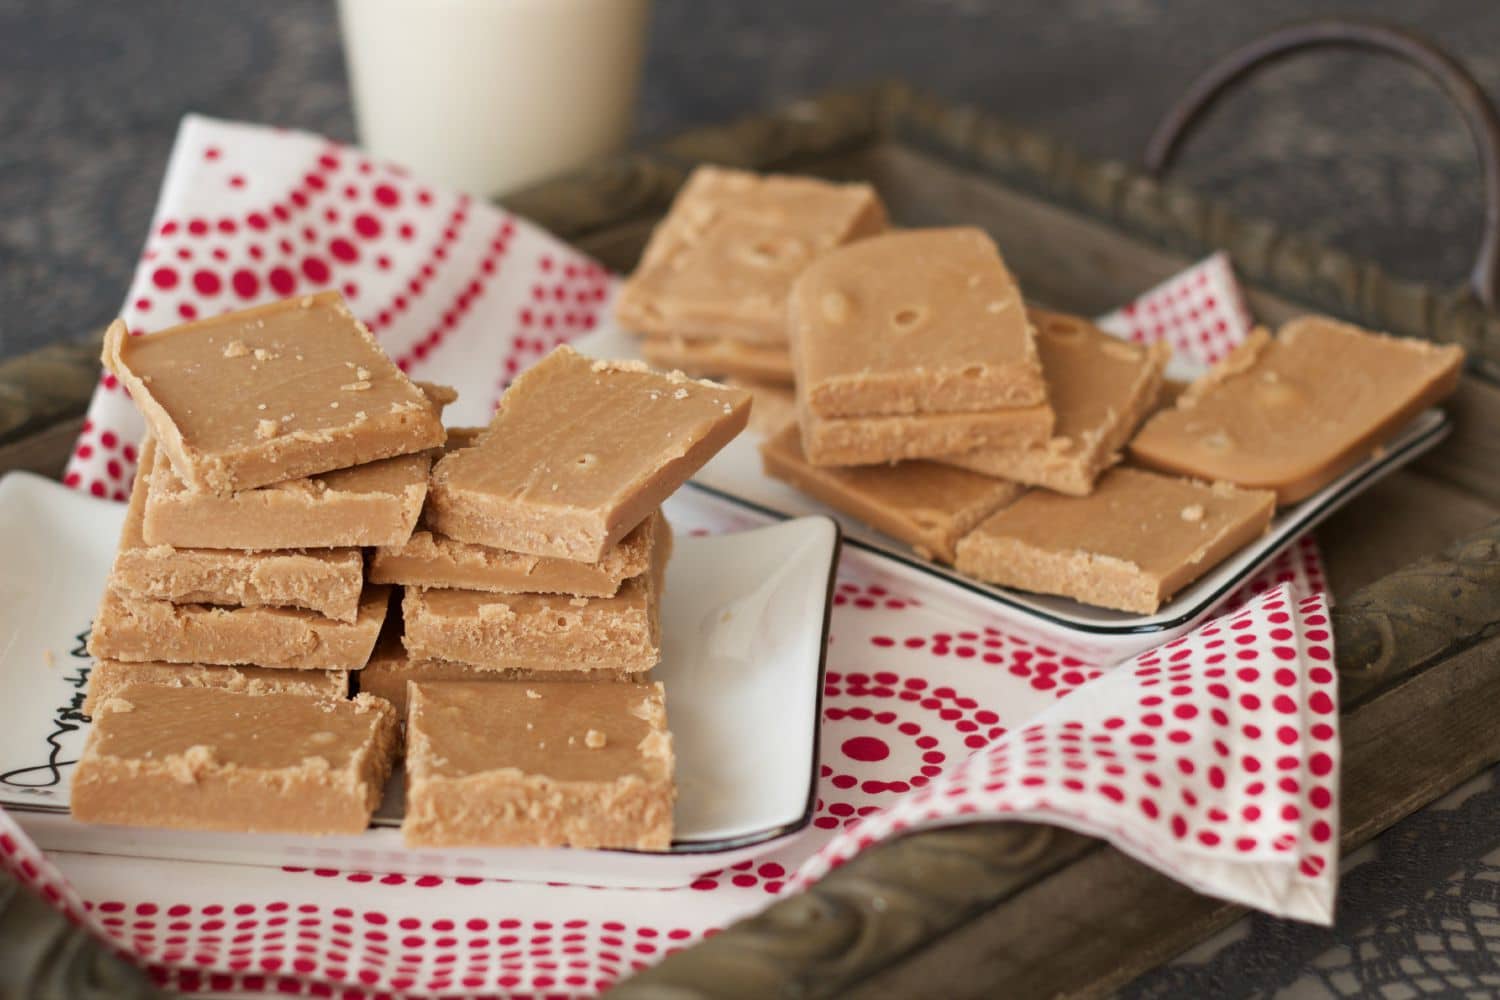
1019 909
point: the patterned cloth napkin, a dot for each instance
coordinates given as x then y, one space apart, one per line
1213 758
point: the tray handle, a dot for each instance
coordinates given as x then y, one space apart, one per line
1365 35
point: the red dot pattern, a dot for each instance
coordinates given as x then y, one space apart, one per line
563 301
1199 312
1211 742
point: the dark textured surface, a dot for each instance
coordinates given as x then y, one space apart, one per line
1351 148
1356 150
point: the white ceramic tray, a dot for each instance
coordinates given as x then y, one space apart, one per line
736 472
744 625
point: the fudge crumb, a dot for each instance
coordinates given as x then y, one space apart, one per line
528 725
306 303
333 405
267 428
587 460
1193 513
579 602
363 374
118 705
680 394
995 307
594 740
260 406
261 354
236 349
572 741
533 694
359 386
1218 442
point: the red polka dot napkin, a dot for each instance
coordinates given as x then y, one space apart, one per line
1213 759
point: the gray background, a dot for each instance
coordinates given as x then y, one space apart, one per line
1358 150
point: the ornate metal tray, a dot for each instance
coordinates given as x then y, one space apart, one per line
1018 909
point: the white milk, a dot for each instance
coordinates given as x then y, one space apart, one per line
490 95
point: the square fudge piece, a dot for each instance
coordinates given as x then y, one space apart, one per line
376 503
1099 387
534 764
541 632
140 631
722 261
328 581
391 668
579 452
107 677
432 560
873 440
203 758
919 322
1292 413
289 389
926 505
1130 545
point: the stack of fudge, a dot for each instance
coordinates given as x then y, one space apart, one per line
934 404
539 567
283 445
281 440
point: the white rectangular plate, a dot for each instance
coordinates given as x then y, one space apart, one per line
737 472
744 625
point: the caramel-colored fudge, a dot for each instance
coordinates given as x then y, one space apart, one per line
327 581
536 764
107 677
1100 388
1293 412
871 440
429 559
372 504
722 261
390 670
205 758
542 632
286 638
916 322
715 357
926 505
579 452
290 389
1130 545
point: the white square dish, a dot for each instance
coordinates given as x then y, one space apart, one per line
744 625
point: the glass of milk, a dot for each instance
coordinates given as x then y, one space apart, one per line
488 96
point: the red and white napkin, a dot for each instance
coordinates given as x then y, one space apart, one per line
1214 758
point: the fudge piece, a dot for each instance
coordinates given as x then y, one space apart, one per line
1293 412
722 261
205 758
327 581
289 389
923 321
1130 545
774 408
390 670
870 440
713 357
579 452
542 632
1100 388
107 677
926 505
429 559
372 504
536 764
286 638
